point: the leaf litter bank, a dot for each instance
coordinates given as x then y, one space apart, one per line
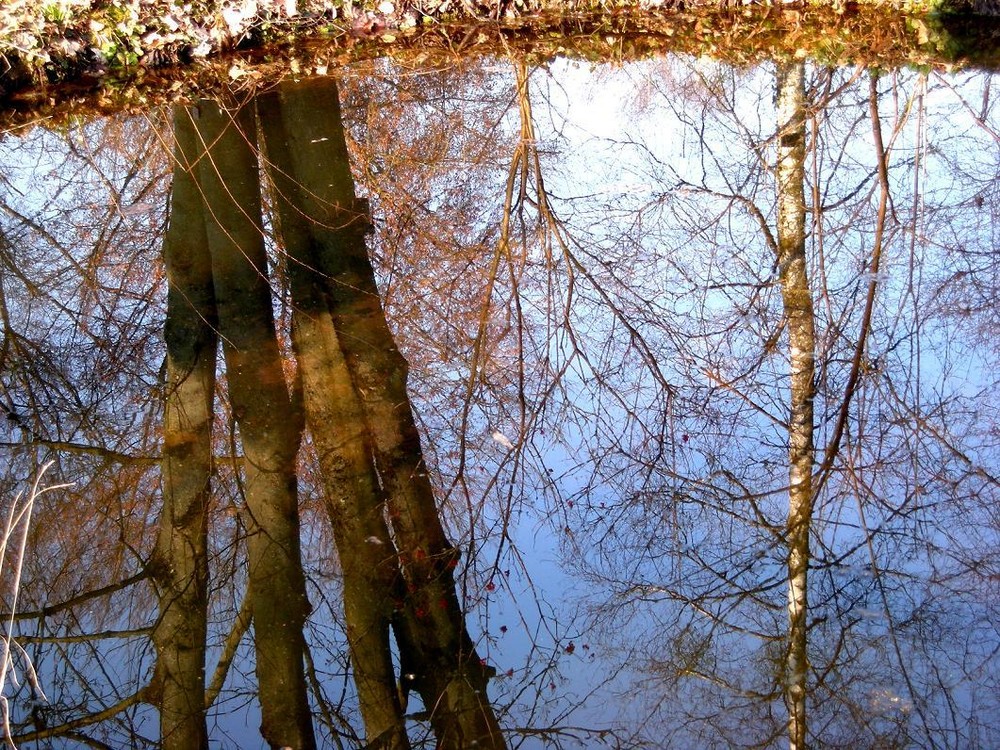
124 44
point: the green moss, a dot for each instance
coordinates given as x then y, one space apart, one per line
55 13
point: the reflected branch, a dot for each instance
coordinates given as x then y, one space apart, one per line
241 624
84 721
84 597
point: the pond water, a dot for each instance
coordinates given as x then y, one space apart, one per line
649 314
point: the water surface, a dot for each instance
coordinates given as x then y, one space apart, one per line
581 265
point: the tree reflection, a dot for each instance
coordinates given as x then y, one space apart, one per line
796 296
220 146
353 392
397 564
181 553
343 340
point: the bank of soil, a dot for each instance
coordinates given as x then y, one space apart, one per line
144 50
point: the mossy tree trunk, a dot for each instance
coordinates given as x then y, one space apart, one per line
435 645
336 419
180 559
269 422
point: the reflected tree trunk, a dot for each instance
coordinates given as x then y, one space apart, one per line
438 657
270 423
354 498
797 301
180 560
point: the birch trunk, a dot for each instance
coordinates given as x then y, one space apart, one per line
797 301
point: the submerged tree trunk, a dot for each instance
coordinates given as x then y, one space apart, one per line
336 420
797 300
439 658
270 424
180 559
